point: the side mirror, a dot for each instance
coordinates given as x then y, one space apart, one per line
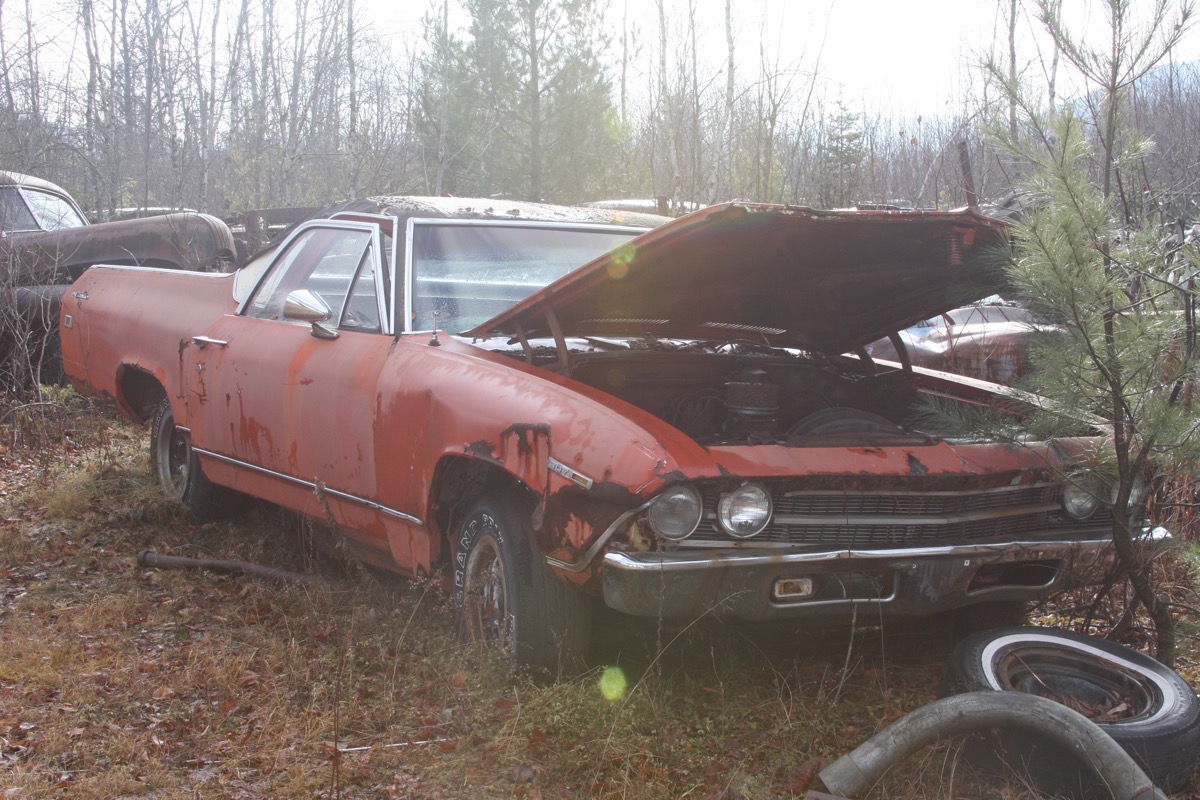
305 305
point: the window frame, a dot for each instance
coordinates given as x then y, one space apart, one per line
376 244
24 192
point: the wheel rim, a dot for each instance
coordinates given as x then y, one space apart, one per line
1100 689
485 596
174 461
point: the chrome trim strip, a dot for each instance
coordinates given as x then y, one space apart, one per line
590 554
903 493
912 519
310 485
695 542
165 270
726 559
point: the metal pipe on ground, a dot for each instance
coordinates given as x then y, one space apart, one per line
855 773
147 558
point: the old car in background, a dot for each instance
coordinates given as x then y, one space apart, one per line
553 405
46 242
989 340
45 238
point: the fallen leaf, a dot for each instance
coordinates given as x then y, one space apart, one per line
797 780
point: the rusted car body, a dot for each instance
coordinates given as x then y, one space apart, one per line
46 239
688 424
989 341
46 242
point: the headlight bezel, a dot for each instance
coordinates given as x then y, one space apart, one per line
1137 494
752 497
675 512
1081 492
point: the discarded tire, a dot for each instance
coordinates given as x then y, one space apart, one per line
1144 706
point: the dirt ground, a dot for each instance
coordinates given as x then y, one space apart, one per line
123 682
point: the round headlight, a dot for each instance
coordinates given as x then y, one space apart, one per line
1081 496
675 513
1137 495
745 511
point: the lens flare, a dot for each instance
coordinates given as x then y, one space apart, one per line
613 683
618 267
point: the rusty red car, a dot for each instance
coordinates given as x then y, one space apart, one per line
554 407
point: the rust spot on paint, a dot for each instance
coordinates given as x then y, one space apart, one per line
915 467
523 431
481 448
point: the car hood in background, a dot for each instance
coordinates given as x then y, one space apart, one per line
827 281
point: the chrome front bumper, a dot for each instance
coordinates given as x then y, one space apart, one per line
745 584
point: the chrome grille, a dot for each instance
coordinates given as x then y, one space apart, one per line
898 519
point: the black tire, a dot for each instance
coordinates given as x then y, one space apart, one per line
1159 728
982 617
508 599
178 472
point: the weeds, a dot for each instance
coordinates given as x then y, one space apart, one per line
121 682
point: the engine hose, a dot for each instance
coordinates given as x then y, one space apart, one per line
856 772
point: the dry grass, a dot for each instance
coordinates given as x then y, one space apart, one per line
118 682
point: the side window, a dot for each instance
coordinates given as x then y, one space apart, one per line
324 261
53 212
15 216
361 311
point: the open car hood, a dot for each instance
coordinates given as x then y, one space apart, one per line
823 281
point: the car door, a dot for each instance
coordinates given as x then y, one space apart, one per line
286 404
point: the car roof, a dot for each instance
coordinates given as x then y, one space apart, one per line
8 178
415 207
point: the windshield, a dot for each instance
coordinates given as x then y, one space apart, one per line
463 274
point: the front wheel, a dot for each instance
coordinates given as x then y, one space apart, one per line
506 596
177 470
1144 706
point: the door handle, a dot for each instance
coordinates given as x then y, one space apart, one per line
204 341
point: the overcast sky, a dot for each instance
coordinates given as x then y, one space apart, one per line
899 57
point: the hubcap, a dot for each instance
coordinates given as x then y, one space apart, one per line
485 596
174 458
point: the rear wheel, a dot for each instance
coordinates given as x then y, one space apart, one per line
507 597
175 466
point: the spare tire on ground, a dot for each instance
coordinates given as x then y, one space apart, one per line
1143 705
